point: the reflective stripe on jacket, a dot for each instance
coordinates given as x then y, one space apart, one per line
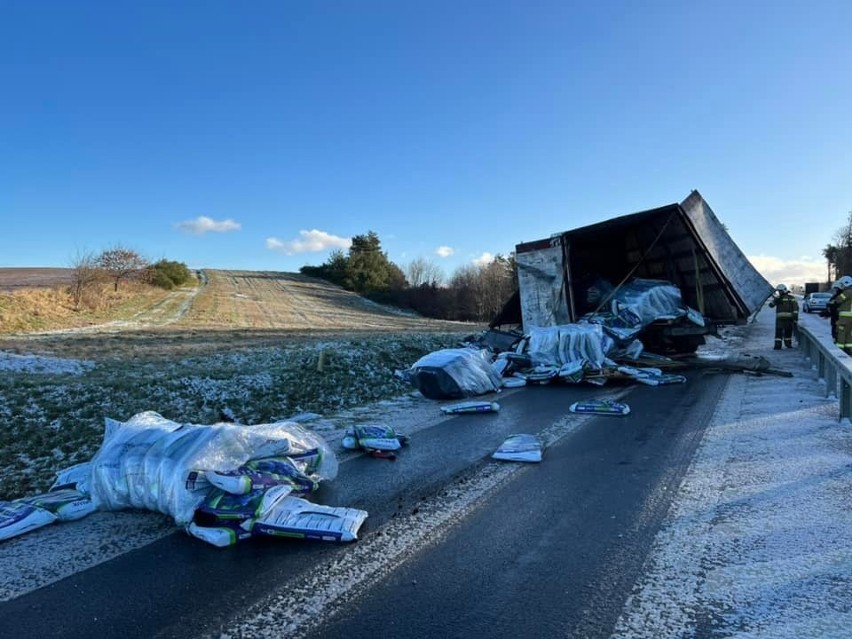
786 307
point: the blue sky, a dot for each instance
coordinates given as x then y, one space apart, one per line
262 135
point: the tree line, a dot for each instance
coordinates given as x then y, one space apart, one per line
474 292
838 255
120 264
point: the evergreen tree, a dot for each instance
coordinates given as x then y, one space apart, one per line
368 270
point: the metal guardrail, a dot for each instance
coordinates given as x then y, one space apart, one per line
833 366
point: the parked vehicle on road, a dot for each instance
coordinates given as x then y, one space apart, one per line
815 302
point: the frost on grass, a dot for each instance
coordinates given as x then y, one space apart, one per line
53 420
10 362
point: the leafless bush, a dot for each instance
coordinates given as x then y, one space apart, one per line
84 275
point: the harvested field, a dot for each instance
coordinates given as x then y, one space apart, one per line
232 311
289 301
12 279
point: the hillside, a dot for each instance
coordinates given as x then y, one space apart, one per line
290 301
228 310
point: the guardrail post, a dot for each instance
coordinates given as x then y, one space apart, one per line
833 366
831 381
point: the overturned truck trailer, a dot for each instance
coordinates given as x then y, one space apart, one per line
684 244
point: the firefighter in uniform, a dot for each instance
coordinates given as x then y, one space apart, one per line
786 316
840 306
830 310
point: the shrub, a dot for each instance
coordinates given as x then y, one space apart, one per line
161 279
168 274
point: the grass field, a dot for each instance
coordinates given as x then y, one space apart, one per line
18 278
245 344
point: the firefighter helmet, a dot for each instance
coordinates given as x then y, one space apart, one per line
844 282
781 288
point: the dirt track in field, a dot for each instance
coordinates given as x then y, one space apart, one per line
232 310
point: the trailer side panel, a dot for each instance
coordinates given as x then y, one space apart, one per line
541 282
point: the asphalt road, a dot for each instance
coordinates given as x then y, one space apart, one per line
554 551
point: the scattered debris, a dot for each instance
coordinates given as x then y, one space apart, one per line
651 376
542 374
225 519
520 447
742 363
302 519
600 407
67 504
471 407
17 518
378 441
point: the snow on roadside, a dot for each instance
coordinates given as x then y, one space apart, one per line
10 362
757 542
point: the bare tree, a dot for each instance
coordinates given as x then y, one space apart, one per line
84 273
423 271
464 288
497 285
121 263
843 243
481 290
830 254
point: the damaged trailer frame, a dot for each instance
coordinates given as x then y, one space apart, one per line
684 244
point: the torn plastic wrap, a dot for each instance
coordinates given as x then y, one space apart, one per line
452 373
147 461
651 300
570 343
639 303
75 477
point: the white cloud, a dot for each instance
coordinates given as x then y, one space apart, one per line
203 224
484 259
789 272
308 242
444 251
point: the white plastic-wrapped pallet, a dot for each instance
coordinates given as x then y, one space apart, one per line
146 461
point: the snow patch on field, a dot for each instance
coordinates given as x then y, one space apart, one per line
10 362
